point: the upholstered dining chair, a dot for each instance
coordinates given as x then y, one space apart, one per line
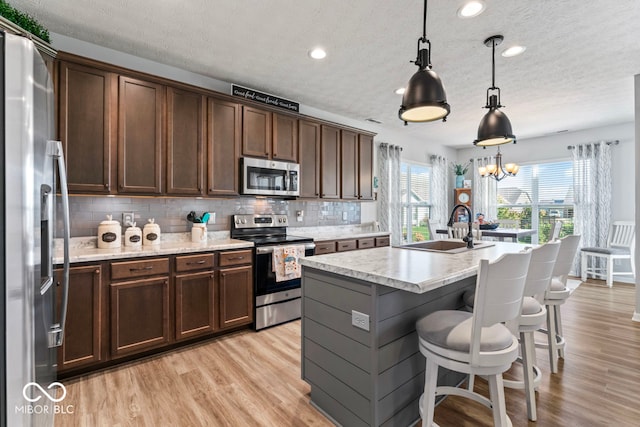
556 227
476 343
460 229
621 244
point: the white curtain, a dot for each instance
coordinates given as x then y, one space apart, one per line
440 190
390 203
591 194
485 192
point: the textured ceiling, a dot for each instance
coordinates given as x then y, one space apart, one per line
577 72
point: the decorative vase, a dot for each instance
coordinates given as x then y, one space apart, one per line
459 181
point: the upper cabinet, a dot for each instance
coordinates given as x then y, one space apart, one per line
185 139
330 162
87 98
349 164
140 124
256 132
285 138
224 127
365 167
309 156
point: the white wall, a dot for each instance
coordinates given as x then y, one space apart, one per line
636 314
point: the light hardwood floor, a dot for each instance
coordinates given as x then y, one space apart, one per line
253 379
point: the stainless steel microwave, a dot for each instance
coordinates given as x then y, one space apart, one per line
263 177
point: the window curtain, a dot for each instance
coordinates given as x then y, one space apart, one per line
591 194
440 190
485 191
390 203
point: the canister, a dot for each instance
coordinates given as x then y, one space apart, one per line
199 233
133 236
151 233
109 234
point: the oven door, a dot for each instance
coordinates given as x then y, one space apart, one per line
265 277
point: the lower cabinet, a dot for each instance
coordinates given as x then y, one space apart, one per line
236 296
196 307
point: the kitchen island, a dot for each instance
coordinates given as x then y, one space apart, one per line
359 345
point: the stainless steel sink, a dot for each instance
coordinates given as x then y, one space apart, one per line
445 246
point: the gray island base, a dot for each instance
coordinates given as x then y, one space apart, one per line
359 345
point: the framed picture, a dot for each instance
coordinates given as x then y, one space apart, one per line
467 183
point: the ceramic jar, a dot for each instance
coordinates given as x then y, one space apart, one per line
151 233
199 233
109 234
133 236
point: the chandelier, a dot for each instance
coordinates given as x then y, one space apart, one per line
496 170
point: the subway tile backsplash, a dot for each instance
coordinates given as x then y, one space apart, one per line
171 213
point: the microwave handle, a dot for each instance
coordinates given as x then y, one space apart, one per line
287 180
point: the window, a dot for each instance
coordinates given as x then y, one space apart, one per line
415 187
537 196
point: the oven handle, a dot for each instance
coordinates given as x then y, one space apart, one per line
260 250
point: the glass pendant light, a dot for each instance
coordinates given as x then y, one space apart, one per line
495 127
425 99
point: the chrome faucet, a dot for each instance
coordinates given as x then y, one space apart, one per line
469 237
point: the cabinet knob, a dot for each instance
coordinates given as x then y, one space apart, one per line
97 271
211 190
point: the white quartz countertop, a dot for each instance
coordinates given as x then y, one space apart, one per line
411 270
337 232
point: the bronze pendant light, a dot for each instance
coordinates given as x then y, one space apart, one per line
425 99
495 127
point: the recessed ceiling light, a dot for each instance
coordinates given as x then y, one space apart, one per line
317 53
400 91
513 51
471 9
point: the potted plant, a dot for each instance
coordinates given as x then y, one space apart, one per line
459 169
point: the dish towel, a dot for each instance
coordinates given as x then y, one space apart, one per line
285 262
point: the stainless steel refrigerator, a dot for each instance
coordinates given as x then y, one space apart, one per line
31 173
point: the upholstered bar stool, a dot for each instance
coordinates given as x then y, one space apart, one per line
476 343
556 295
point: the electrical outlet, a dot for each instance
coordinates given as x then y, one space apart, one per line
212 218
299 216
128 218
360 320
345 215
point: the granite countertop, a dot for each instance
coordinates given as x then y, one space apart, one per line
407 269
84 249
337 232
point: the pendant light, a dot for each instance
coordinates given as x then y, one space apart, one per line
425 99
495 127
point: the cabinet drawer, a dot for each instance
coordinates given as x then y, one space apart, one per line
194 262
366 243
346 245
382 241
235 258
325 248
148 267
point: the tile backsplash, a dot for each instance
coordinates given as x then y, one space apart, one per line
171 212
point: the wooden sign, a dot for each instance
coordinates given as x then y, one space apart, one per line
264 98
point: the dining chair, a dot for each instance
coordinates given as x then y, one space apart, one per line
432 226
556 227
460 229
621 244
477 343
509 223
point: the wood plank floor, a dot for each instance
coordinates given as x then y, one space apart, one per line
253 379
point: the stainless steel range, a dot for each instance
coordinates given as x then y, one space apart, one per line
277 300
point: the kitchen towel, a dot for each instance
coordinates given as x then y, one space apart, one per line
285 262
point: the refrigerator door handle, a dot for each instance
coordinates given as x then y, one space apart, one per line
56 334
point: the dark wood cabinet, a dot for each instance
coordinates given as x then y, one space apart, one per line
256 132
348 164
196 305
365 167
223 147
185 138
87 98
235 292
82 343
309 158
285 138
330 162
140 136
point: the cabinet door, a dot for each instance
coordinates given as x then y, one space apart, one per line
256 132
309 157
236 296
195 304
139 315
330 162
349 165
140 136
87 98
365 167
82 344
223 146
285 138
185 137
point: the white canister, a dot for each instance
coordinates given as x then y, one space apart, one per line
109 234
199 233
151 233
133 236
